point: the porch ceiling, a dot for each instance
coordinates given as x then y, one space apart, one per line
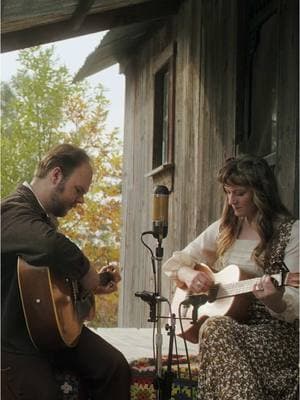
29 23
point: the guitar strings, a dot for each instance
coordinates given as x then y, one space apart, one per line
220 291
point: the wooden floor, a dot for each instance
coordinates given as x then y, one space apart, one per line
135 343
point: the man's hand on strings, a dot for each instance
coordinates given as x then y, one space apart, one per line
109 278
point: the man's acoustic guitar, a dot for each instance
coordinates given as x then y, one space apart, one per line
54 309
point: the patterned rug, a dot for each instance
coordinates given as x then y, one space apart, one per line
144 383
70 386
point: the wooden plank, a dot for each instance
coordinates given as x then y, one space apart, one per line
21 14
135 343
138 190
59 26
127 198
288 106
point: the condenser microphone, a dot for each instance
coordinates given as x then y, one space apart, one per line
160 212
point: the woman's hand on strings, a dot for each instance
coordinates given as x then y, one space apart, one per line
196 281
269 294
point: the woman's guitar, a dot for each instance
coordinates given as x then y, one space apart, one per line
230 296
55 309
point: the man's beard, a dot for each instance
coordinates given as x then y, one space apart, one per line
58 208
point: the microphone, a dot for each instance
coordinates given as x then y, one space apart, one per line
195 301
160 212
150 297
145 296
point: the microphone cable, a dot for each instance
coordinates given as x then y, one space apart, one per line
176 349
186 349
155 291
152 257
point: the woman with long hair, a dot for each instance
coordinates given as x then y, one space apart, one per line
256 359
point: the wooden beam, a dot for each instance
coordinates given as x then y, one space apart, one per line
23 14
81 13
92 23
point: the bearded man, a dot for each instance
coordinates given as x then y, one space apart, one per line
29 231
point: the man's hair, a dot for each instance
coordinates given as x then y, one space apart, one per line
65 156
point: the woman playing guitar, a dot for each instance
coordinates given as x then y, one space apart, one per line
256 358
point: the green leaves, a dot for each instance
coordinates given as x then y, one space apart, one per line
32 116
41 107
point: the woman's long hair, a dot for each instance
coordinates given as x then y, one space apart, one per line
255 174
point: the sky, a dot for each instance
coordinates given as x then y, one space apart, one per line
72 53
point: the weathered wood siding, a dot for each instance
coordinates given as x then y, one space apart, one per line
287 166
205 131
137 198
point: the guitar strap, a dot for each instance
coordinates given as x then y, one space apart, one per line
275 255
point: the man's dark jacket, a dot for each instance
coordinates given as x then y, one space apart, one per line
28 232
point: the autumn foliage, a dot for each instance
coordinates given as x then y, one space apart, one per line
40 108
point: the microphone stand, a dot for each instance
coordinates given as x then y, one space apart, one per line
162 384
160 231
159 255
169 375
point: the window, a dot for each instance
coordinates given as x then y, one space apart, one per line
162 117
259 131
164 98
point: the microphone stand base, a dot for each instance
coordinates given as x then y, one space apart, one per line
163 385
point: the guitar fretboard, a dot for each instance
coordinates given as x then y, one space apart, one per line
232 289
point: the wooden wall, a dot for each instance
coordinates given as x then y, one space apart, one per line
137 190
287 166
205 129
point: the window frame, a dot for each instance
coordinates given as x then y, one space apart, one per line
253 22
164 64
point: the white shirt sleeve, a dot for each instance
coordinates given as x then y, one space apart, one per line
291 295
201 250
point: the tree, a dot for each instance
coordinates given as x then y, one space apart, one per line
40 108
99 231
33 116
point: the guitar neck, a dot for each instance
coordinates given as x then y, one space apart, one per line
240 287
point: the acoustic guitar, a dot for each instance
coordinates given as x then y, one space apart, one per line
230 295
55 309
